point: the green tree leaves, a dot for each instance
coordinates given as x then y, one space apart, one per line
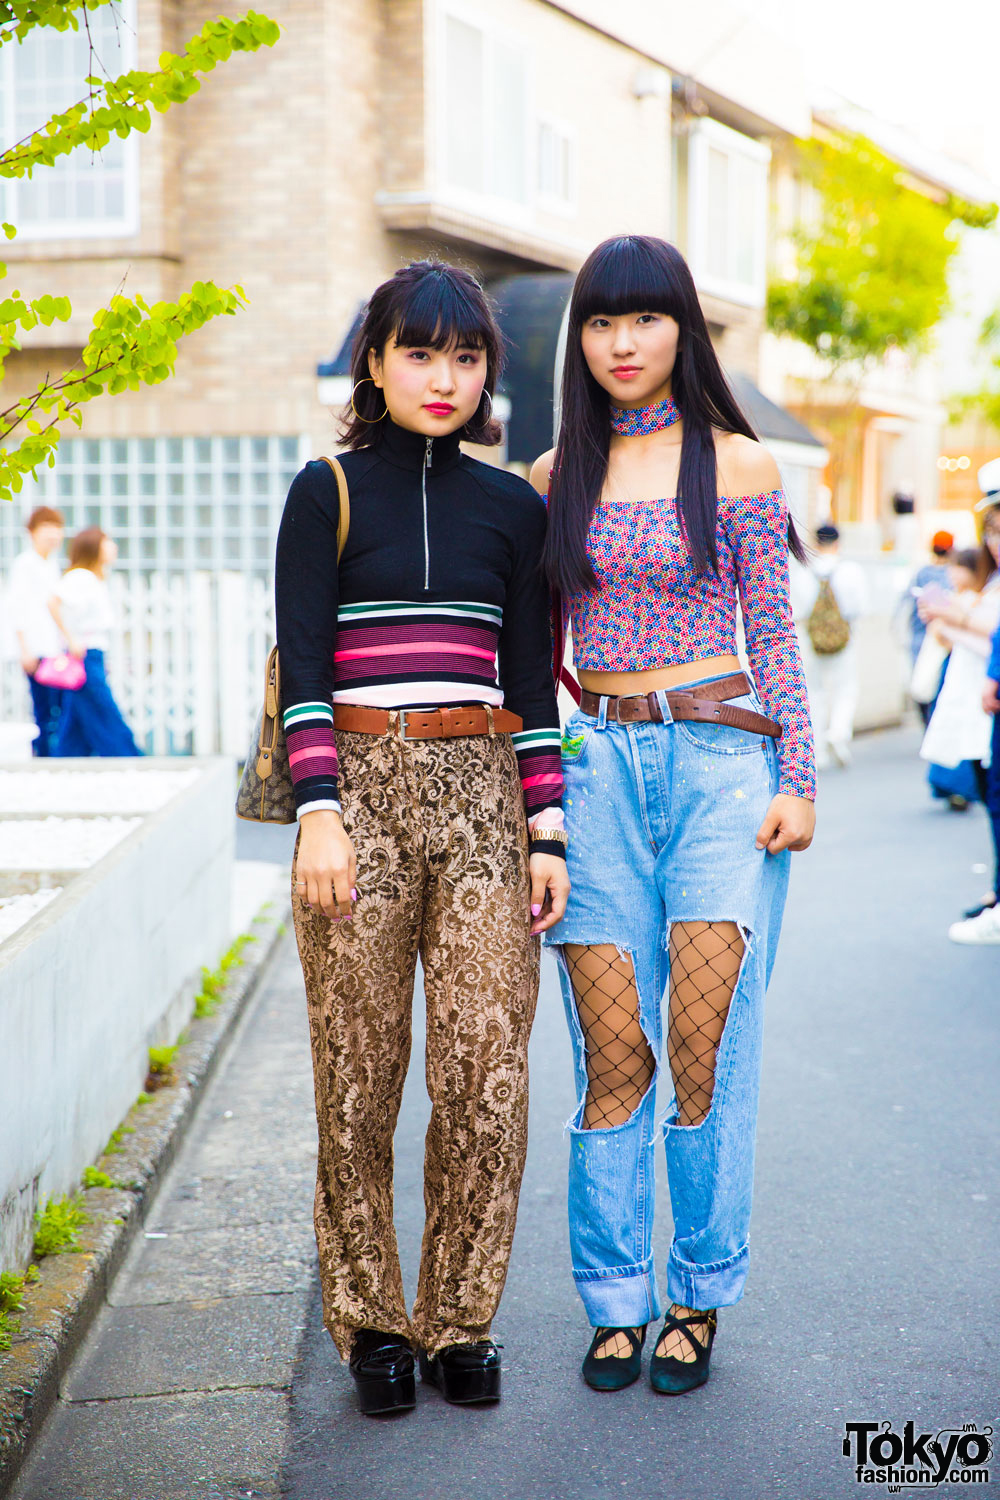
131 343
120 105
873 273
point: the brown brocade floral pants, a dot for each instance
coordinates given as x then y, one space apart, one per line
441 842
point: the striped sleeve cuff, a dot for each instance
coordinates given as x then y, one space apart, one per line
540 766
312 756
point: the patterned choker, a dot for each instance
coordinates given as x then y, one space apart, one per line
634 421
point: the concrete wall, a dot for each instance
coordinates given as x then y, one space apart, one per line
99 976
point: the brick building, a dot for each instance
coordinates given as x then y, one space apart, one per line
508 137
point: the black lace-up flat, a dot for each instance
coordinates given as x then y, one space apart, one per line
614 1372
382 1366
671 1376
465 1374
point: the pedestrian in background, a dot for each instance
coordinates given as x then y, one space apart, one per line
34 579
92 723
958 784
983 925
829 594
687 785
976 645
933 575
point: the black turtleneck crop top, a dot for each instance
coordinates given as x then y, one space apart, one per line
438 586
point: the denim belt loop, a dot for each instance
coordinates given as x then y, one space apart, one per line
661 698
602 713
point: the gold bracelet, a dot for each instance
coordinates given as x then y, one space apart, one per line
559 835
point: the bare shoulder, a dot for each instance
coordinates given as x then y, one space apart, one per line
540 471
745 466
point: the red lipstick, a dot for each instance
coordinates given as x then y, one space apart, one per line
438 408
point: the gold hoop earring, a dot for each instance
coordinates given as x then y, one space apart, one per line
369 420
489 414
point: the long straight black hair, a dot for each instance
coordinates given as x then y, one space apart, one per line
638 273
426 305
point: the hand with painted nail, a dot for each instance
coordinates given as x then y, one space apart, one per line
326 862
549 891
789 824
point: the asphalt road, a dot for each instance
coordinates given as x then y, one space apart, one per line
873 1291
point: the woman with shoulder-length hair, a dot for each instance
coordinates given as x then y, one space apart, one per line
91 722
428 794
686 783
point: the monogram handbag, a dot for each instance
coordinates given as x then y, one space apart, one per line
266 794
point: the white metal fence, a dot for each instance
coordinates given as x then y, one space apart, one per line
186 661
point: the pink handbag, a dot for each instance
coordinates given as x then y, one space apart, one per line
62 671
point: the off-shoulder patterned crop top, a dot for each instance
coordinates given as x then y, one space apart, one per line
653 609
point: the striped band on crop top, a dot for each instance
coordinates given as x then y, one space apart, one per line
416 651
397 654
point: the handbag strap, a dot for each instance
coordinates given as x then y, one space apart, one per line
561 674
344 516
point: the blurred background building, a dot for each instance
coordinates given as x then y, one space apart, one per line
509 137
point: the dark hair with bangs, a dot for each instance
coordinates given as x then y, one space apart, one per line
426 305
638 273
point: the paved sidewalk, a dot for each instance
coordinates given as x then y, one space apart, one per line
870 1298
181 1390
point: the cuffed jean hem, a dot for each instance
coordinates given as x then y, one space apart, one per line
625 1297
719 1284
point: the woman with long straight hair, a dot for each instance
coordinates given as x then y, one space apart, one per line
428 790
685 786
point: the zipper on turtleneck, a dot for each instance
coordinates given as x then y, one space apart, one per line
428 454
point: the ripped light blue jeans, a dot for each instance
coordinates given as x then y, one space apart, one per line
662 820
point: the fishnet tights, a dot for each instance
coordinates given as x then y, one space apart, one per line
705 960
620 1062
671 1344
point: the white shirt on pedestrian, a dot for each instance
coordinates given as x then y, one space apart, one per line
32 582
87 609
960 729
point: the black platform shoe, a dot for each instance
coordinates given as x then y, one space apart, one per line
613 1372
464 1373
382 1366
671 1376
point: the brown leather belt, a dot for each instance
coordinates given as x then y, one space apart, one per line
426 723
708 707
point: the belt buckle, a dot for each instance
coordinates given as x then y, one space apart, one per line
401 717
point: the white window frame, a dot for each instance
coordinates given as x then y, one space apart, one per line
127 224
487 204
551 202
706 135
178 503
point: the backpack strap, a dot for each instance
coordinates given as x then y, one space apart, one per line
344 515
